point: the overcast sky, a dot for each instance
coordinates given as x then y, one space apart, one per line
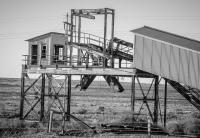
24 19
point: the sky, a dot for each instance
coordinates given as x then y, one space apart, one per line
24 19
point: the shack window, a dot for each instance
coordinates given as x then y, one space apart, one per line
44 51
58 53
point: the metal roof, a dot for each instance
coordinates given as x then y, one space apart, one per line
43 36
168 38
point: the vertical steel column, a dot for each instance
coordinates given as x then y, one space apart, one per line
133 94
71 37
42 97
155 120
22 96
69 97
112 37
105 36
165 104
120 62
66 43
79 37
49 92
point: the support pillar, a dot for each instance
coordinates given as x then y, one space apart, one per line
22 96
155 119
120 62
69 97
79 39
105 36
165 104
49 92
133 94
42 98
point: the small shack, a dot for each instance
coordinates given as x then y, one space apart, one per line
47 49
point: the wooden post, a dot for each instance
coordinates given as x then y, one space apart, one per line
42 98
156 100
133 94
22 96
50 121
165 104
66 43
69 97
105 36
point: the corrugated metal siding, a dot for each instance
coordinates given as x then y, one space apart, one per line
165 60
156 57
168 55
168 38
58 39
147 56
174 63
184 66
138 54
193 69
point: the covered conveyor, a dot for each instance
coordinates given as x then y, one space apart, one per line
173 57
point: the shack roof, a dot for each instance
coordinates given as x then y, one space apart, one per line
168 38
43 36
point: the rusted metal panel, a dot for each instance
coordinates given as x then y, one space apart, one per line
174 63
193 69
147 56
138 54
156 58
165 60
184 66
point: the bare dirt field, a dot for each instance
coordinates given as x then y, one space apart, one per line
95 106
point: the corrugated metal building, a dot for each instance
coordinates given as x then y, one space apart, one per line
168 55
46 49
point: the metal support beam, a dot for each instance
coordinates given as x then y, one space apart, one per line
105 36
112 37
79 38
71 37
69 98
155 120
133 94
49 93
165 104
22 96
42 98
120 62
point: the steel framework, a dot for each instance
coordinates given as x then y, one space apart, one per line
92 60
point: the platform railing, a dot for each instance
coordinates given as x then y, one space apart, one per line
66 60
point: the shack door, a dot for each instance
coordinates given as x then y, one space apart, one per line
34 52
58 54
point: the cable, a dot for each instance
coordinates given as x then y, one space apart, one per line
13 70
59 23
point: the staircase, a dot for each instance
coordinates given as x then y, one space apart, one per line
90 45
185 92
